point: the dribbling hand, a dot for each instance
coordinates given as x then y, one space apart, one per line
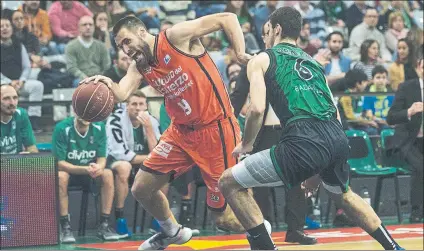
98 78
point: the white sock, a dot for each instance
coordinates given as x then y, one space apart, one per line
170 226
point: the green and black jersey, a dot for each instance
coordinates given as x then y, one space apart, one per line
296 85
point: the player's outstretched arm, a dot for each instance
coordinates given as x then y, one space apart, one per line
128 84
256 69
181 34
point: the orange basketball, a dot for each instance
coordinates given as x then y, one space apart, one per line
93 102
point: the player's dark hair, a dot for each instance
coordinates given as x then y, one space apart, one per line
334 33
304 22
379 69
353 77
128 22
364 49
290 21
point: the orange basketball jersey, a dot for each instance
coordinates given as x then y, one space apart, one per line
194 91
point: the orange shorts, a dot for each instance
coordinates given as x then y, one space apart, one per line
209 148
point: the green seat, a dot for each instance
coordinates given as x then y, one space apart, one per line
362 164
367 166
386 135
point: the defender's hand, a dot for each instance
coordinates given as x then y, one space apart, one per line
244 58
241 149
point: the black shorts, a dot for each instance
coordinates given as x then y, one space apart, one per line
309 147
84 181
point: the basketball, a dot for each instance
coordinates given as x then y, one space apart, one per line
93 102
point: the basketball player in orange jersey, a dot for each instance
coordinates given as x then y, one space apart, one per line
204 130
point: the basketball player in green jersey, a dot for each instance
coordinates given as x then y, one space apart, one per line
16 135
313 145
80 149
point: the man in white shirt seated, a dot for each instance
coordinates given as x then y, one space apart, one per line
132 133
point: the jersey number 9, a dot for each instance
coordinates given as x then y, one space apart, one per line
185 106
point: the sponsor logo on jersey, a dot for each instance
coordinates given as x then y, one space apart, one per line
163 149
167 58
7 141
147 70
138 148
214 198
75 155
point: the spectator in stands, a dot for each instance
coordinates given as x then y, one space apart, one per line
132 133
64 17
335 12
80 149
355 14
246 21
146 11
367 30
176 11
261 15
316 19
233 70
5 11
377 107
97 6
15 70
396 6
396 30
416 36
370 57
403 68
29 40
16 135
350 107
204 8
101 30
119 67
86 56
37 22
303 41
339 64
24 36
118 11
407 114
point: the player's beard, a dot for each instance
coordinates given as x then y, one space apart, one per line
147 58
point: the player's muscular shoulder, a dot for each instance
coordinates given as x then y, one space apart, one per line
183 43
259 62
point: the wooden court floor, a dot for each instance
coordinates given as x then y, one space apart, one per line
408 236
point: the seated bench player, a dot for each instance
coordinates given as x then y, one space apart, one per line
16 135
80 149
131 135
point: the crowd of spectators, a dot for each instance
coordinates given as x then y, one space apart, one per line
364 46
